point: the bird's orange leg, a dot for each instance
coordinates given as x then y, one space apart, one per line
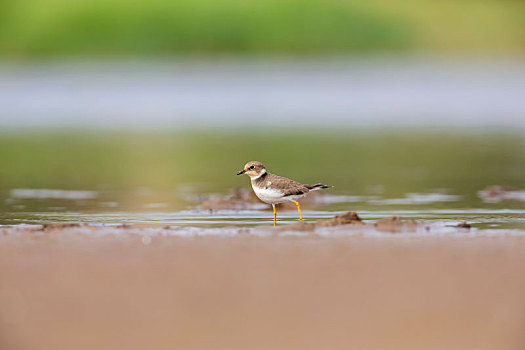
298 209
274 216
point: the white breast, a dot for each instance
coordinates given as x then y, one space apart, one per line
269 195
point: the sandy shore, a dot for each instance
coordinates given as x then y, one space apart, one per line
63 290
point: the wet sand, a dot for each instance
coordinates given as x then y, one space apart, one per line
64 290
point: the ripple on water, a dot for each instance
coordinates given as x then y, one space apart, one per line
503 219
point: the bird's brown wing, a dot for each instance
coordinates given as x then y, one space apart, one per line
287 186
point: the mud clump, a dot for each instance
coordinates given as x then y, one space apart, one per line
242 194
395 224
493 194
124 226
463 224
61 226
238 199
347 218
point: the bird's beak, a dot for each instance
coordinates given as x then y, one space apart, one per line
241 172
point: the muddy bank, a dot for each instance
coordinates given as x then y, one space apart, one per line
69 291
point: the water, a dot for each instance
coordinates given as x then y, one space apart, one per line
162 179
347 91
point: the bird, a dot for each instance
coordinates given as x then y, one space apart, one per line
274 189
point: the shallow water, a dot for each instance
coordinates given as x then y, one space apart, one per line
163 179
488 218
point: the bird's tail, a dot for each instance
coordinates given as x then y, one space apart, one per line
317 187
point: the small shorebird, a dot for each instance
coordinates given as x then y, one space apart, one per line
274 189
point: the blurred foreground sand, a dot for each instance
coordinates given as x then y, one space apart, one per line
66 291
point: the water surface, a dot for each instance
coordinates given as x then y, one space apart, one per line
163 178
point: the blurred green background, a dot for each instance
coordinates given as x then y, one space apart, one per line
31 28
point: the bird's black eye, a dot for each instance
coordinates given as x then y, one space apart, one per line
252 167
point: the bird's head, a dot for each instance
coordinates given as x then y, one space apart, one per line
253 169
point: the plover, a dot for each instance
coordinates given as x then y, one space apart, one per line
275 189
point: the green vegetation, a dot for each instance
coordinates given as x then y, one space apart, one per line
162 27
